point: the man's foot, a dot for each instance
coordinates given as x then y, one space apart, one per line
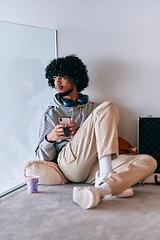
86 198
126 193
99 180
90 197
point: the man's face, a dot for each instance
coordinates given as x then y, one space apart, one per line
62 85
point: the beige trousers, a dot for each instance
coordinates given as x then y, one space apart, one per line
96 138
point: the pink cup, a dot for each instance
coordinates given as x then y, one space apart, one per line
32 183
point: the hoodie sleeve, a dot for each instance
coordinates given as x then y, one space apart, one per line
45 150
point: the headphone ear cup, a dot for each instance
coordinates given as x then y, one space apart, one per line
67 103
82 99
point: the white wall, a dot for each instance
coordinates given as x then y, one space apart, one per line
119 41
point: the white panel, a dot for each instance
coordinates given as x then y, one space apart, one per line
24 96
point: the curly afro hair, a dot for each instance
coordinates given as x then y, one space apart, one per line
70 66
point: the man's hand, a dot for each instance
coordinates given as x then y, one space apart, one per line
58 132
72 127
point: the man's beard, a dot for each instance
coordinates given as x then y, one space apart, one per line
61 95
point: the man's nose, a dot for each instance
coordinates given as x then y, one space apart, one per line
58 80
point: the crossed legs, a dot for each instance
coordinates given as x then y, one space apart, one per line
128 170
97 138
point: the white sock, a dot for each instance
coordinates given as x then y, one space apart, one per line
105 165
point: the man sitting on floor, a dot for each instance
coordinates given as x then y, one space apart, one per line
90 153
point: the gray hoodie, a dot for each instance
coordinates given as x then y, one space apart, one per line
49 151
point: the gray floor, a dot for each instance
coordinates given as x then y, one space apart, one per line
51 214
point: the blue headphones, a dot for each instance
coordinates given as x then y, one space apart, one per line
70 103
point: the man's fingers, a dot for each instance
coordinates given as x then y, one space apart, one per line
72 120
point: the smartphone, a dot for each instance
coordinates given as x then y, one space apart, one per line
65 120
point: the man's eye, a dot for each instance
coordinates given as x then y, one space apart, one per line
59 78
